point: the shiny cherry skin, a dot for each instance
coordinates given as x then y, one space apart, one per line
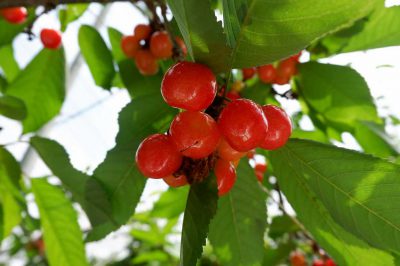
267 73
298 259
233 95
181 45
14 15
158 157
243 124
142 31
161 45
226 152
279 127
287 68
248 73
176 181
146 63
195 134
130 45
330 262
189 86
318 262
226 176
50 38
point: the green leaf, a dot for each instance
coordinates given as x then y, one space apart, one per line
97 55
374 140
316 135
338 93
8 63
344 198
62 235
119 174
283 28
281 225
12 107
275 256
381 30
237 230
171 203
9 31
258 93
71 13
150 256
202 33
201 206
45 94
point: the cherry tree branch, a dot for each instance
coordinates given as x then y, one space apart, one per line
29 3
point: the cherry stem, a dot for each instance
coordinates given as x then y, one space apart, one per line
28 30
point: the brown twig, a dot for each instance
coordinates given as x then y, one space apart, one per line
28 30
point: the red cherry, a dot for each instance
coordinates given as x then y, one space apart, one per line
287 68
51 39
14 15
195 134
279 127
280 80
243 124
297 259
161 45
248 73
157 156
267 73
259 175
189 86
330 262
130 45
181 45
146 63
251 154
297 56
226 176
142 31
233 95
261 167
226 152
318 262
178 181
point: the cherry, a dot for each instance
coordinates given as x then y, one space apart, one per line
259 175
157 156
195 134
161 45
189 86
14 15
287 68
226 176
297 259
267 73
51 39
279 127
318 262
243 124
248 73
250 154
130 45
174 181
181 45
142 31
233 95
330 262
281 80
297 56
146 63
226 152
261 167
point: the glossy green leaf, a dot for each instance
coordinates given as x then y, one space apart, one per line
12 107
201 206
59 221
8 63
171 204
46 91
237 230
338 93
97 55
381 30
71 13
316 135
9 31
275 256
281 225
258 93
202 33
344 198
283 28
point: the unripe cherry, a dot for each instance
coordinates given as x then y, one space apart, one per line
176 181
226 152
267 73
330 262
14 15
195 134
142 31
161 45
130 45
146 63
50 38
226 176
181 45
279 127
157 156
248 73
243 124
189 86
318 262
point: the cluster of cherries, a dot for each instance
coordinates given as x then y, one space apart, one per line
297 258
146 46
199 136
51 39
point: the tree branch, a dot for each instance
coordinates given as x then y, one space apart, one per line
28 3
